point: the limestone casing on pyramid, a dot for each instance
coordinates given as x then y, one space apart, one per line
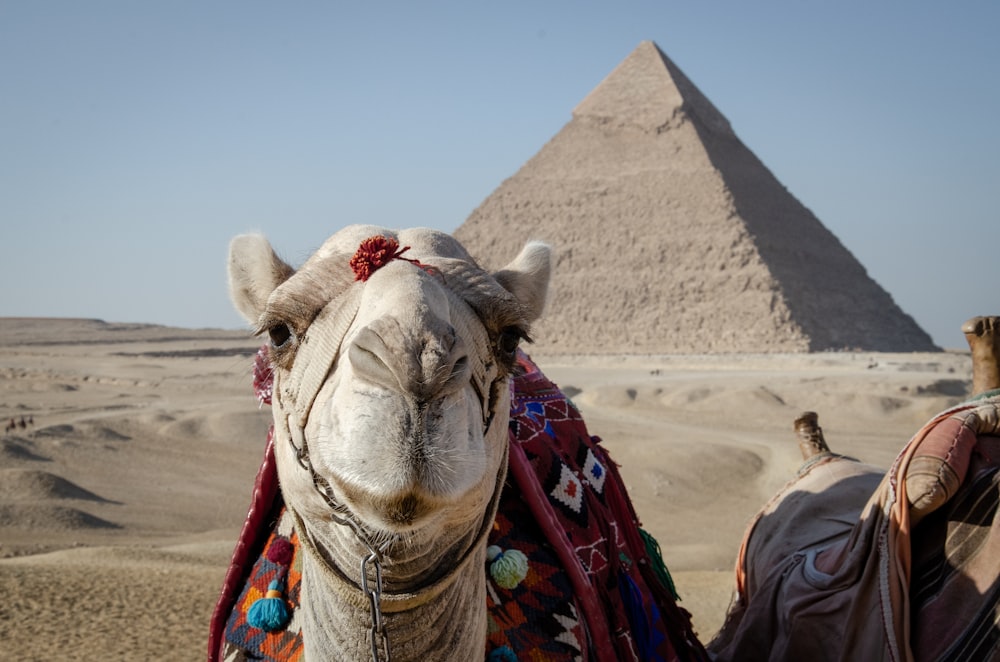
670 236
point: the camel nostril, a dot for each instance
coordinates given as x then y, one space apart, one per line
365 355
458 377
425 365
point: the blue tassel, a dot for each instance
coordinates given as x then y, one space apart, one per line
501 654
269 613
632 599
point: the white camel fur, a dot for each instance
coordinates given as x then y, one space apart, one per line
391 406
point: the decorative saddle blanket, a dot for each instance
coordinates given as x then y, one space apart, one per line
571 575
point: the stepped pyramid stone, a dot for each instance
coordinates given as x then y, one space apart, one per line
672 237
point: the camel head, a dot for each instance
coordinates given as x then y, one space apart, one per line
391 369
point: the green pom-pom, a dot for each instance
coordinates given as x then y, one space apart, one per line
269 613
508 569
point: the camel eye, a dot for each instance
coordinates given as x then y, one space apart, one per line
509 340
280 334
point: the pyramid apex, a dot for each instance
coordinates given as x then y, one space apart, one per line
648 90
719 257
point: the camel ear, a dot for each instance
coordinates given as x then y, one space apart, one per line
527 277
255 271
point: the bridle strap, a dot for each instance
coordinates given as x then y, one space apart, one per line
319 351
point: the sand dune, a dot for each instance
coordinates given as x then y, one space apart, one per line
33 485
120 505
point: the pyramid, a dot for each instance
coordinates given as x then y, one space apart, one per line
670 236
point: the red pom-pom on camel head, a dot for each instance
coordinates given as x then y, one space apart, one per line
376 252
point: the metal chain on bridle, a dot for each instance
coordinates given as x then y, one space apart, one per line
372 589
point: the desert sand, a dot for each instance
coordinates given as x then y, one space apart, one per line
121 501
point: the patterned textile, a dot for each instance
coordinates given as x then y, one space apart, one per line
955 580
591 591
578 498
538 617
284 644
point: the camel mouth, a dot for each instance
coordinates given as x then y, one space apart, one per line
405 511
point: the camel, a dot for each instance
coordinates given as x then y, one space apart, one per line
390 362
850 562
410 433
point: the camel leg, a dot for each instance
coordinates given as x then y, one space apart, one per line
811 441
983 335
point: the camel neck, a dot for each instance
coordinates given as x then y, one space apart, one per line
450 625
431 605
434 591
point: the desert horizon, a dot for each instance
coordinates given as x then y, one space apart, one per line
122 499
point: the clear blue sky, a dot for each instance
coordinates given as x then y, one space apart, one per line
137 137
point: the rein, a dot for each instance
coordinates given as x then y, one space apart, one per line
305 379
